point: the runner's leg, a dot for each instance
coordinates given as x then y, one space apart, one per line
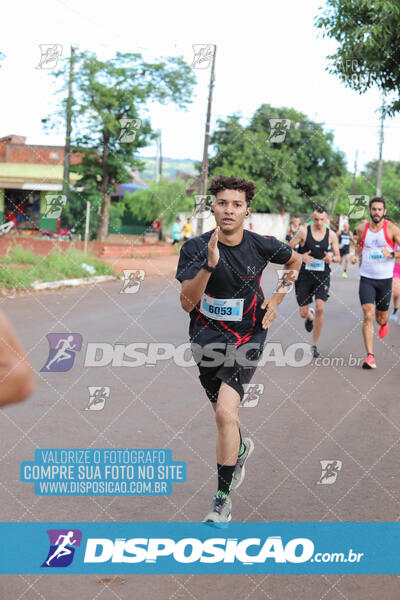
396 293
226 417
228 440
214 405
305 312
319 320
368 327
381 316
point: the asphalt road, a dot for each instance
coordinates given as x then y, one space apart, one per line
306 414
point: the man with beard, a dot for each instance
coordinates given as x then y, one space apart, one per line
375 244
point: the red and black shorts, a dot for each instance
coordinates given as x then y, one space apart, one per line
235 373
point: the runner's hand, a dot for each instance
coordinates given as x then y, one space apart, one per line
386 252
328 258
307 258
270 315
354 260
213 250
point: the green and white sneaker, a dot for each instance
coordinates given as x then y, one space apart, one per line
221 510
239 472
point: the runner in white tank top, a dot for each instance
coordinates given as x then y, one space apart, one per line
374 263
375 244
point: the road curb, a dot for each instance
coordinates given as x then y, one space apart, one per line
45 285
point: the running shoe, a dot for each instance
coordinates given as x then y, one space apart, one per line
309 324
383 330
221 510
393 317
344 275
369 362
315 352
239 472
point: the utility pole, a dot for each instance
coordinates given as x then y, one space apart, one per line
158 156
67 146
380 162
204 164
353 191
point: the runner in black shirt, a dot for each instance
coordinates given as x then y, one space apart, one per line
316 242
220 273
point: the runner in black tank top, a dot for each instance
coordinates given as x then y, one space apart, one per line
318 247
345 237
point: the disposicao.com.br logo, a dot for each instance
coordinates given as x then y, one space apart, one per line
190 550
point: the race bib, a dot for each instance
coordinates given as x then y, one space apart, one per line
228 309
375 255
316 265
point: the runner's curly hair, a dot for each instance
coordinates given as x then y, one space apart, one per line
222 182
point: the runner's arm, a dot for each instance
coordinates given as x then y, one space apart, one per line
298 238
357 242
335 247
293 264
396 238
395 235
17 380
193 289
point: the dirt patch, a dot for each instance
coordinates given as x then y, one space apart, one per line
159 266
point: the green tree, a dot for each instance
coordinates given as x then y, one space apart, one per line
106 92
366 185
368 34
165 198
291 175
74 213
390 185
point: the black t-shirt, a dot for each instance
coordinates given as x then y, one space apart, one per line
236 276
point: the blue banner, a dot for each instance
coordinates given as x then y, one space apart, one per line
192 548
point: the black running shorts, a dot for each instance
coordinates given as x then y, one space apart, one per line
344 250
306 289
375 291
235 376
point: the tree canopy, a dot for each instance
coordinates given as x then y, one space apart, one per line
109 102
368 36
291 175
165 198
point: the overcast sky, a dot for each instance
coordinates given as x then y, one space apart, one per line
267 52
